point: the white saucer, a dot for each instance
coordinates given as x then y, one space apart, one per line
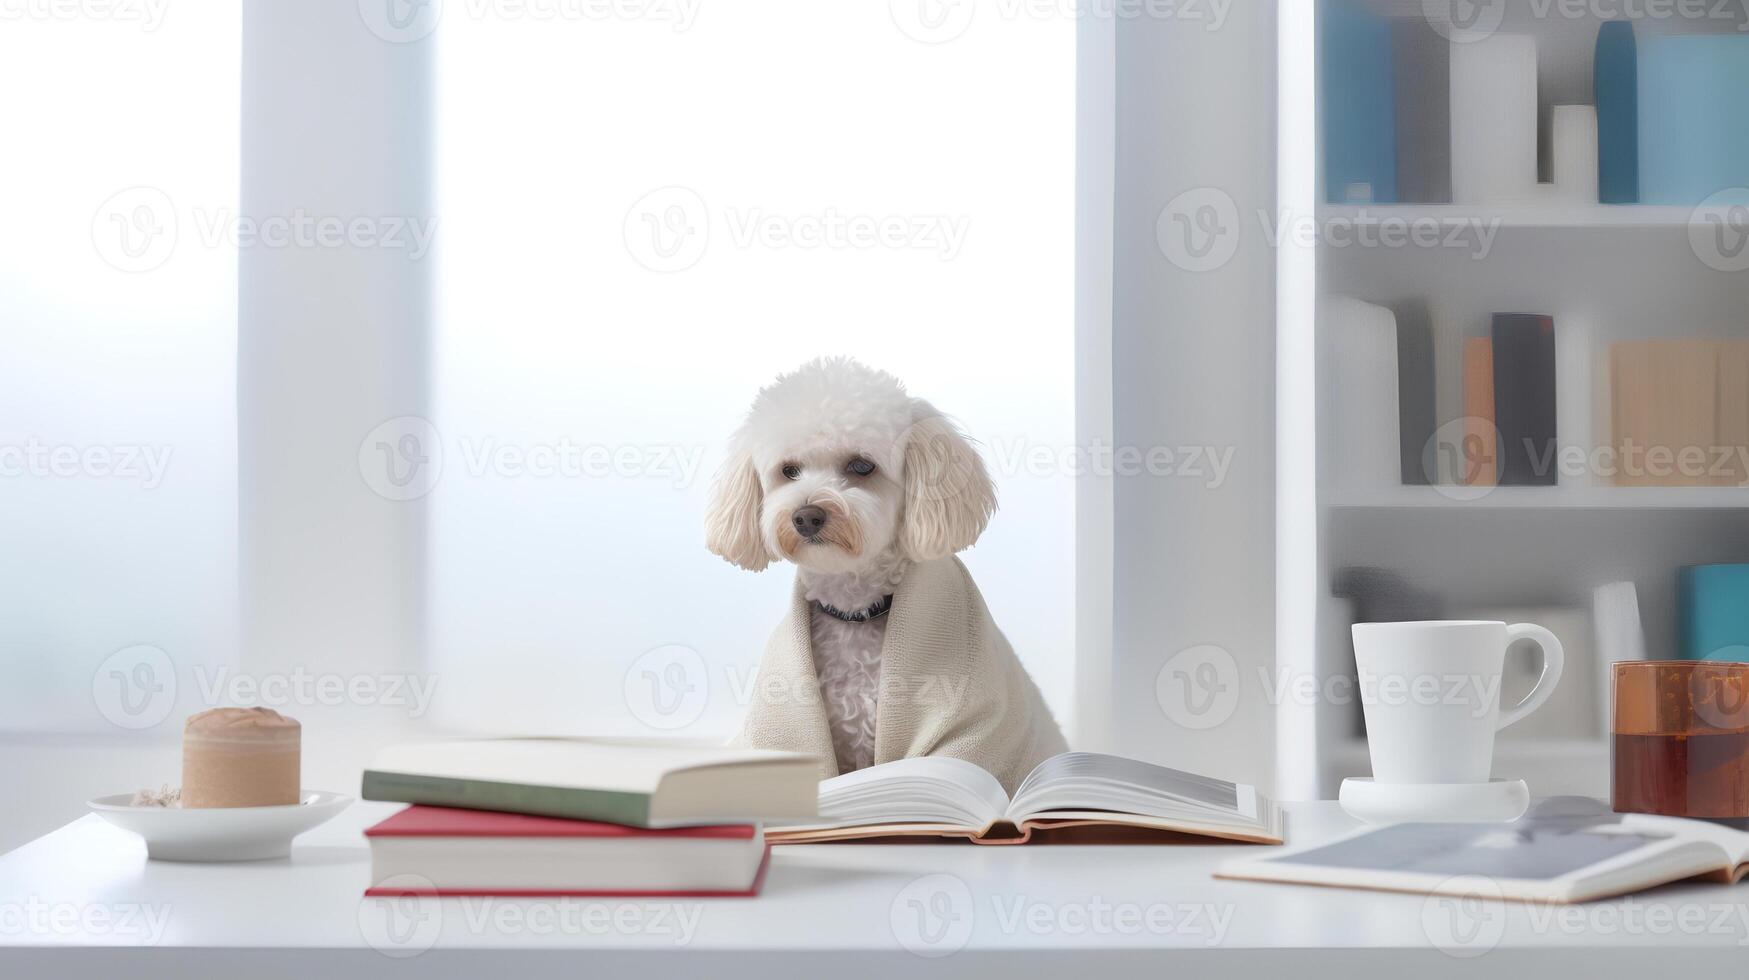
1495 801
243 833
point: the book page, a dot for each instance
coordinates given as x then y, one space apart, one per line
1494 851
925 790
1732 841
1093 781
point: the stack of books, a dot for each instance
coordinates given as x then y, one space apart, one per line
548 817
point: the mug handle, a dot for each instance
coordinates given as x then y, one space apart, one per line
1553 660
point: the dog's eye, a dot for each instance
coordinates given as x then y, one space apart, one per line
791 471
860 466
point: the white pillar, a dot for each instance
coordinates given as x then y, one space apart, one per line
1193 352
1095 172
1296 405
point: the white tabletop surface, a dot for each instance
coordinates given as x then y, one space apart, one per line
84 900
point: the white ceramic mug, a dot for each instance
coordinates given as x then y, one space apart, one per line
1431 692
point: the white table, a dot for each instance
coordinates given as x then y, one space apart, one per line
84 901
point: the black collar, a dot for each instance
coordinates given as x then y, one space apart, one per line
875 611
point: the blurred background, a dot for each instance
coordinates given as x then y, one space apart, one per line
370 361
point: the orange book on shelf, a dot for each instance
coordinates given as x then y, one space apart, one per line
1733 424
1665 410
1479 458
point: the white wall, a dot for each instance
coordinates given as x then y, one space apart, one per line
1193 354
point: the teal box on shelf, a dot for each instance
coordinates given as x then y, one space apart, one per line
1694 118
1712 612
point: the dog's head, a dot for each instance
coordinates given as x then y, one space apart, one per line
836 466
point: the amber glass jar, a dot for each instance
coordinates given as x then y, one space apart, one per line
1681 738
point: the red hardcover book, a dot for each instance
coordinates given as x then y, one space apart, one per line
444 851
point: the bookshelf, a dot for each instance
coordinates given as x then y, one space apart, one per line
1605 273
1543 498
1512 215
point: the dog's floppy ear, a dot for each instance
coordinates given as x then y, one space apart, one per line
949 496
732 519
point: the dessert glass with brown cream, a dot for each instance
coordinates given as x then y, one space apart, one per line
234 757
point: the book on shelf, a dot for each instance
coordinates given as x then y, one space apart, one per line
1480 451
1664 400
637 785
1616 93
1541 859
1421 77
1073 797
444 851
1733 406
1355 66
1524 398
1448 398
1417 402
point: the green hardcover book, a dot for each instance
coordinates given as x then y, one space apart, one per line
636 785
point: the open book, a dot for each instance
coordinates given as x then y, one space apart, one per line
1078 796
1538 858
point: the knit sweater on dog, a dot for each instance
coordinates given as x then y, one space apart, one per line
950 684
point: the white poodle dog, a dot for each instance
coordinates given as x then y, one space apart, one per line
869 491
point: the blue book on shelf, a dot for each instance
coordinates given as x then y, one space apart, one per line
1712 612
1694 118
1360 114
1616 86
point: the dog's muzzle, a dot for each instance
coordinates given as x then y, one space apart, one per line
828 522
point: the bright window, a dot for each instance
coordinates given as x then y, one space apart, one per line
118 292
644 220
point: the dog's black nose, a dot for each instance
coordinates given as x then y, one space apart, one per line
808 520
